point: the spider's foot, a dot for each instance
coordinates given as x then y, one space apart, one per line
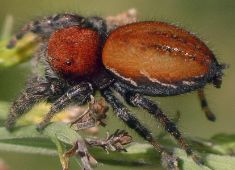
9 126
210 116
10 122
198 160
169 161
11 44
40 127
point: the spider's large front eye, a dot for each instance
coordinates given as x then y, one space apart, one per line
74 52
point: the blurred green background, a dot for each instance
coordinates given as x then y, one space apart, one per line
211 20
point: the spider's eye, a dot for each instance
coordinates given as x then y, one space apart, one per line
74 51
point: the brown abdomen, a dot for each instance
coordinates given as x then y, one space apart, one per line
156 52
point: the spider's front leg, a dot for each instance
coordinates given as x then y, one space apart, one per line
136 99
37 89
79 94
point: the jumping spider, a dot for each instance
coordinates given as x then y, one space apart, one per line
81 56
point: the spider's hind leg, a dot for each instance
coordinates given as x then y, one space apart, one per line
37 89
132 122
204 105
137 100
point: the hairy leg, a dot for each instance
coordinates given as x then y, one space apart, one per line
133 123
45 26
37 89
209 114
79 94
138 100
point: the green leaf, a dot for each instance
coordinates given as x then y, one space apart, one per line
60 130
21 53
187 162
29 145
58 135
28 140
61 150
220 162
4 107
7 27
224 143
218 144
